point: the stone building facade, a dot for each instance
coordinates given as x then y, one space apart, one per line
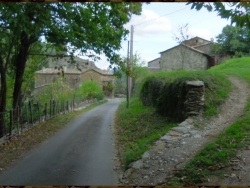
154 65
73 74
183 57
192 54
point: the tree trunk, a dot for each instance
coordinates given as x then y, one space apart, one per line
20 67
3 90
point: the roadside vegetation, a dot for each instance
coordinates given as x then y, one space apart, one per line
139 126
216 155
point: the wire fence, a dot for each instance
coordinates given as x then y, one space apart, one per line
31 113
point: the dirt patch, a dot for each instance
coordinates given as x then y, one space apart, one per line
177 147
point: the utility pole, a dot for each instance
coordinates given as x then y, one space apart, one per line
131 59
128 78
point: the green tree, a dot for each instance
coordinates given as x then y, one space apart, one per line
232 41
238 12
87 27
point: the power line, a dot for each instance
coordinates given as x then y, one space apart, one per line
161 16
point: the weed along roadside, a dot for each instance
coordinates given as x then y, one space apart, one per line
164 162
19 145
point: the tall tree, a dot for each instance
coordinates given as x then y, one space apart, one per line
238 12
233 41
87 27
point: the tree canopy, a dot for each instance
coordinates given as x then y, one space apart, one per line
233 41
87 27
238 12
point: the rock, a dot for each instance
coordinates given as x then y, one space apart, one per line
197 136
166 138
160 145
193 132
146 155
184 123
180 129
174 133
138 164
195 83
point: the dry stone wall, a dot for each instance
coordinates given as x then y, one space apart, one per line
194 98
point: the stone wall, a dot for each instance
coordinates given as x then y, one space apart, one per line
174 58
154 63
194 102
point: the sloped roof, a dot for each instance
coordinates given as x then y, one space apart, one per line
197 38
154 60
189 47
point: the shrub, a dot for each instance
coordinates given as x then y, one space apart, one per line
166 92
90 90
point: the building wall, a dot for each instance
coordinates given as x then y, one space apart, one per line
154 65
42 80
205 48
172 59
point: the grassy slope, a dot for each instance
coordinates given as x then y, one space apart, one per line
139 127
217 154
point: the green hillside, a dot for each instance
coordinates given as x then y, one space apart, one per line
221 150
138 127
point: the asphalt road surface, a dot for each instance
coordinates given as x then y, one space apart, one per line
80 154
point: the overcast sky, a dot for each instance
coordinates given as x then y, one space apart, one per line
154 29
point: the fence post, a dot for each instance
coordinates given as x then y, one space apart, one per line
31 115
27 113
11 123
21 119
68 106
38 108
53 105
50 108
18 119
45 111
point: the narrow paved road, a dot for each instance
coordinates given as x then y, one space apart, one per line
80 154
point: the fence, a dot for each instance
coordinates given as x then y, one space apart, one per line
32 113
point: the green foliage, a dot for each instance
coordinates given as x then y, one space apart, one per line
138 127
233 41
90 90
140 73
166 91
217 154
238 12
90 28
58 91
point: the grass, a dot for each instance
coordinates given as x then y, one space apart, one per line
217 86
19 145
137 128
216 155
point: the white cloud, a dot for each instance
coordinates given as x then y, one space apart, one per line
149 23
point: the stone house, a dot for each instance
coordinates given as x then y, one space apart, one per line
154 65
192 54
74 74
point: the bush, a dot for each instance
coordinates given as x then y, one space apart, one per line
166 92
90 90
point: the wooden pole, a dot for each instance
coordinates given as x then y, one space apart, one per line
11 123
128 78
131 58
